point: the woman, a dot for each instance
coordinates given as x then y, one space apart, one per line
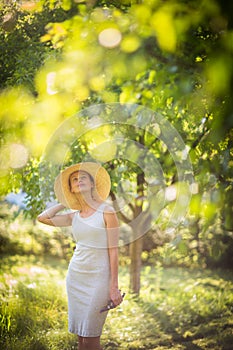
92 278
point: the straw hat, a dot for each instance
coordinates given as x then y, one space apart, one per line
101 180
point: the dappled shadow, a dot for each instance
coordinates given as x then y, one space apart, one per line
200 330
168 327
178 308
223 274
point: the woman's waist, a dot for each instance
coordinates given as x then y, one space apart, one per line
90 257
83 251
91 246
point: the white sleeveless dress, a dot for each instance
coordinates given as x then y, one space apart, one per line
88 275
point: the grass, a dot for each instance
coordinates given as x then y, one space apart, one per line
177 308
34 304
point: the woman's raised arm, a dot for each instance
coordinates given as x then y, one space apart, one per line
50 216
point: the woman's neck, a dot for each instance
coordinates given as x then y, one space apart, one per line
87 203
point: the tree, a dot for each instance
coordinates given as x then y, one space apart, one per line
129 140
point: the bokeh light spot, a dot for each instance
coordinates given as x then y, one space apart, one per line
130 43
170 193
18 155
194 188
104 151
110 37
14 156
50 80
162 23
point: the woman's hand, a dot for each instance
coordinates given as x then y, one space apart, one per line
115 296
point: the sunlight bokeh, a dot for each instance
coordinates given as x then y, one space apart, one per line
110 37
162 22
13 155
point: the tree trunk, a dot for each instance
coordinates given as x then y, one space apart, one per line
137 244
135 266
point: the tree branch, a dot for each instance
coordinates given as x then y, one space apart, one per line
201 136
117 208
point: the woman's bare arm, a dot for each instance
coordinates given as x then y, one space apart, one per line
50 216
112 226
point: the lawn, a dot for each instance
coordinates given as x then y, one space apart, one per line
177 308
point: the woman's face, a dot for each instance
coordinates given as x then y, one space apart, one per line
80 181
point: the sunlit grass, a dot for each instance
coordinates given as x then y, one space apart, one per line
176 308
34 308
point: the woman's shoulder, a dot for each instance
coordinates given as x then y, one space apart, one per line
110 216
107 208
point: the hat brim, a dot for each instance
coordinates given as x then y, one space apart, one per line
101 180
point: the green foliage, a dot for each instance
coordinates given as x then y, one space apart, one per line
21 52
23 236
169 73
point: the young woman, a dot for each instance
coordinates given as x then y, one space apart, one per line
92 278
